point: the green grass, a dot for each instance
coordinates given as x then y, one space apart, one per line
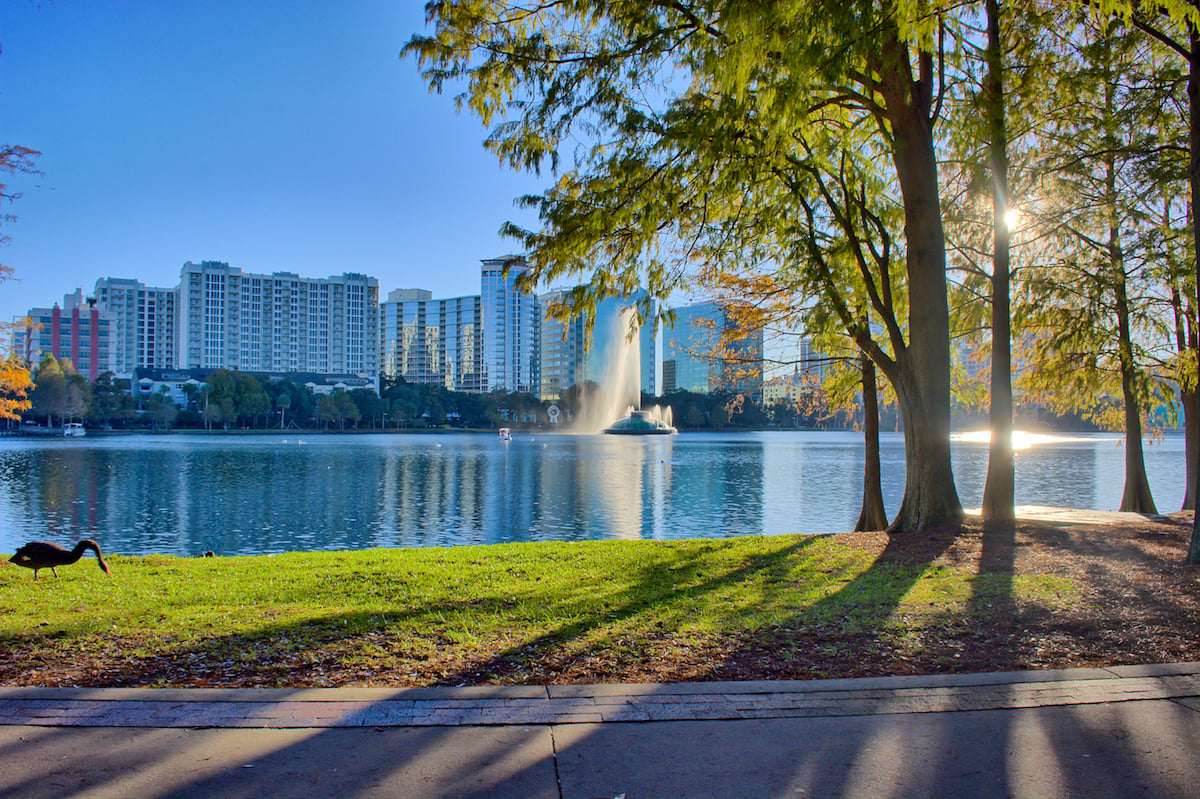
433 613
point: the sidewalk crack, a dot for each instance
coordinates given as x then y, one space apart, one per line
553 746
554 755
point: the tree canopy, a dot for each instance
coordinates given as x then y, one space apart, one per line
694 118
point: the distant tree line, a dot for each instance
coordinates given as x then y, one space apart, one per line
230 400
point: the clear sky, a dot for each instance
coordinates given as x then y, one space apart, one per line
276 135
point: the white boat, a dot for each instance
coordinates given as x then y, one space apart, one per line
74 429
505 434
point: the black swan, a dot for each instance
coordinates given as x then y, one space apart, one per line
42 554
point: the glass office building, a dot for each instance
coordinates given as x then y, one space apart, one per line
511 328
424 340
706 352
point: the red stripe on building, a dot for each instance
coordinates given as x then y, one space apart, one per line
75 337
94 345
55 331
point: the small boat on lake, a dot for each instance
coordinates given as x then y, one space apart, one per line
74 429
505 434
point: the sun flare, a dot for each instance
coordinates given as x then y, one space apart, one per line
1022 439
1012 218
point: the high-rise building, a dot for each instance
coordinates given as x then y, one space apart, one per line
706 351
562 350
78 330
424 340
277 323
567 361
511 328
143 328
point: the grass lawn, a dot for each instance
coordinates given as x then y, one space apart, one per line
757 607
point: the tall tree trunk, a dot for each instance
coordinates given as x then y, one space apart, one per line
1191 443
1137 497
873 515
1193 95
1186 346
930 498
999 487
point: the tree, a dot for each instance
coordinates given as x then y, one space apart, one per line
765 84
369 405
1093 306
110 401
77 400
15 385
13 159
161 410
249 398
217 411
15 380
50 389
283 402
337 408
293 400
1001 479
1184 40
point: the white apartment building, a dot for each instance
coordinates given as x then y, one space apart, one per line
143 334
277 323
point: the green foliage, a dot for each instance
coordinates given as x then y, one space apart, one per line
1093 306
59 391
161 410
699 121
771 152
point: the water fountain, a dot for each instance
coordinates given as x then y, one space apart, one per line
616 408
642 423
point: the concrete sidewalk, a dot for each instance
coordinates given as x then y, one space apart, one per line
1119 731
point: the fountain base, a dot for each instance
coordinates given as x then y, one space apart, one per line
640 423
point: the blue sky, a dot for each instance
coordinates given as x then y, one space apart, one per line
276 136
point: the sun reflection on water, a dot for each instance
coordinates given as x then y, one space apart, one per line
1022 439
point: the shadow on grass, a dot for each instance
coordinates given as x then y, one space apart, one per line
783 610
596 632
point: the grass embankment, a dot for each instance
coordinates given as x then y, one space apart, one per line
786 606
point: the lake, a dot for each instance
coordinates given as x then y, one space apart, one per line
183 494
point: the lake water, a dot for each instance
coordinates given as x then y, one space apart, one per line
184 494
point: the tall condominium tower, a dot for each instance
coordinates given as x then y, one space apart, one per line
277 323
562 349
78 330
424 340
511 328
143 330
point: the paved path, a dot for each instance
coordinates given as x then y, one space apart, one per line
1125 731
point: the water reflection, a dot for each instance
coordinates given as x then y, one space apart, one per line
255 494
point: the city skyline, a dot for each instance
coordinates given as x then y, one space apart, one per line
273 137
